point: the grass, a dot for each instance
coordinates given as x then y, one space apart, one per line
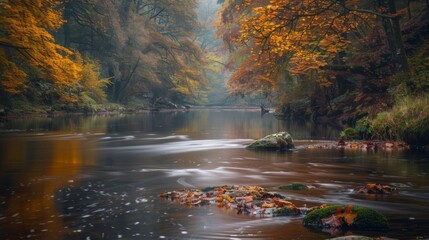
407 112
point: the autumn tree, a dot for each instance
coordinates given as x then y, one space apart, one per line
29 51
275 44
147 48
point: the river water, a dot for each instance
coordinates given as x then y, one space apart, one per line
99 177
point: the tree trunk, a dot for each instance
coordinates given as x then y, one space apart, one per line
66 26
398 38
388 30
409 9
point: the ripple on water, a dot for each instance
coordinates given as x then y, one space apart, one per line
182 146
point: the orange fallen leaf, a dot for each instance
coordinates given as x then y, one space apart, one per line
284 203
268 205
332 222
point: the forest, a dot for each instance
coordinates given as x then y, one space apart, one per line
353 63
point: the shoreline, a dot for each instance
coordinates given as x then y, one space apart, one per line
46 112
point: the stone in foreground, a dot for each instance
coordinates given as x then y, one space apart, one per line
337 216
276 141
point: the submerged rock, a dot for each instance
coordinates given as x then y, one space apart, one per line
275 141
296 186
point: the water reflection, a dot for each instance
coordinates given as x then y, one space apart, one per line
199 124
100 177
32 171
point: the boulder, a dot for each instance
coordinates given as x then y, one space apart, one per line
363 218
276 141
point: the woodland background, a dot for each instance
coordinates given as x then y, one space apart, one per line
354 63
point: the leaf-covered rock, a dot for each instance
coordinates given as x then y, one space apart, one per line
375 188
276 141
251 200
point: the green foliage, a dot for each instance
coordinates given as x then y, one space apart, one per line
417 133
407 120
391 125
419 80
364 128
349 133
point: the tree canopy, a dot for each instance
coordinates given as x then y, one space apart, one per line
28 49
90 50
283 47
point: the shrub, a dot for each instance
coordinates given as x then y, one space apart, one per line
407 117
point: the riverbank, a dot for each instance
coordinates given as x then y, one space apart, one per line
361 145
9 114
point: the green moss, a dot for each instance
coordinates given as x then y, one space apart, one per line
367 219
276 141
294 186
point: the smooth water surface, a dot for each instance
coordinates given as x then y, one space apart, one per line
100 177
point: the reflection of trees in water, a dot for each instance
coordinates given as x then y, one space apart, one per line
32 171
61 124
198 123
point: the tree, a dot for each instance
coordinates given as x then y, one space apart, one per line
146 47
29 51
275 43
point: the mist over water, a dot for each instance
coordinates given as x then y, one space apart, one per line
101 176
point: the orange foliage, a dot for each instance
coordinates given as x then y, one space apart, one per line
300 37
340 218
27 46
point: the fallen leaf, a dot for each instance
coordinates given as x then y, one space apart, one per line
332 222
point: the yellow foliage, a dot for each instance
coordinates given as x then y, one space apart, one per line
299 36
91 83
27 44
13 77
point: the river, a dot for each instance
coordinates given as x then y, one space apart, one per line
100 177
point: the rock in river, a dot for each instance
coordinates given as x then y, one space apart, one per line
349 217
276 141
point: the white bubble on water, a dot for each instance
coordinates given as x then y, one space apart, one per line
141 200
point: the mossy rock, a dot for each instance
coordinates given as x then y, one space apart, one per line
366 219
285 211
276 141
294 186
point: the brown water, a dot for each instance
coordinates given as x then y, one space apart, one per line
100 177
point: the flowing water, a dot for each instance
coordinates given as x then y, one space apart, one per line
100 177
